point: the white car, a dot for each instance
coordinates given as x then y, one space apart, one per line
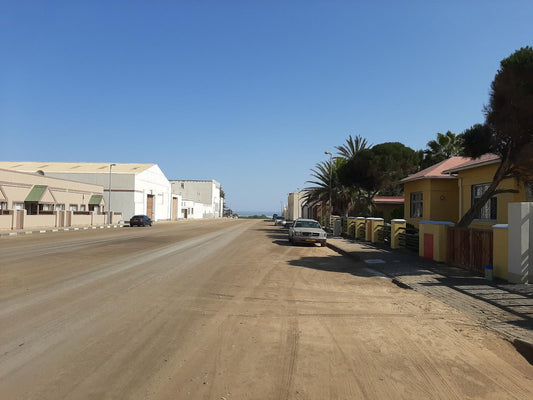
307 231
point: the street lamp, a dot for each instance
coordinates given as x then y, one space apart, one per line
330 173
109 197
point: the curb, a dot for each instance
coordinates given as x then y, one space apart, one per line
39 231
524 348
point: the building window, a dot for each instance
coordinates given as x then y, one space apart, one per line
18 206
82 207
73 207
60 207
46 207
3 205
182 185
417 205
529 191
490 209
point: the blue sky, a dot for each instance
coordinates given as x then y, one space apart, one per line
250 93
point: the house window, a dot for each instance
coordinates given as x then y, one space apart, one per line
46 207
82 207
529 191
490 209
182 185
60 207
18 206
3 205
73 207
417 204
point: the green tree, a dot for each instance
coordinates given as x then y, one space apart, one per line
508 128
379 169
344 199
445 146
324 173
352 147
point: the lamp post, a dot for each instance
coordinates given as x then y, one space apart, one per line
109 197
330 173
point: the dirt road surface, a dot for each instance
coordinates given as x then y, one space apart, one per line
228 310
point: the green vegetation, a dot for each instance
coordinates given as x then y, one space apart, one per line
263 216
361 171
508 128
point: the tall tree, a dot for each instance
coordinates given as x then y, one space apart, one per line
379 169
352 147
324 173
445 146
508 128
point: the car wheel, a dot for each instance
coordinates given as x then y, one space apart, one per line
323 244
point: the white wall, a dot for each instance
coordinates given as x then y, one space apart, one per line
205 195
153 182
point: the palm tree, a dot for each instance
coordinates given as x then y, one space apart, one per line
445 146
352 146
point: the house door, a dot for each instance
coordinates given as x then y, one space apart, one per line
150 206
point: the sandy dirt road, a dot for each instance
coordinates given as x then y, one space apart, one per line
228 310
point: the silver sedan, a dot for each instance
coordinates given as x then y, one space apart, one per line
307 231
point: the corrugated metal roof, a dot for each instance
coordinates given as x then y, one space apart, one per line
36 193
70 167
437 171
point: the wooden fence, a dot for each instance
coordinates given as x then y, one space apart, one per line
469 248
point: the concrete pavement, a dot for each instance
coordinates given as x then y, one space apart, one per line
500 306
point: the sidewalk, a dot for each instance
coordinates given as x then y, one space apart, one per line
500 306
48 230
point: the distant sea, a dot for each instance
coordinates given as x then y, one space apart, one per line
250 213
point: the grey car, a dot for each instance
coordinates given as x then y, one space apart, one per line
307 231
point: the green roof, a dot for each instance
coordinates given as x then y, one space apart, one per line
36 193
96 199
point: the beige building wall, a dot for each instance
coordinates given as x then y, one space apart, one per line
295 203
44 211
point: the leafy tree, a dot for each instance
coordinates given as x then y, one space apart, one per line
343 198
445 146
379 169
508 128
324 172
352 147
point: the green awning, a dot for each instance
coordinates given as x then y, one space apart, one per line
36 193
95 200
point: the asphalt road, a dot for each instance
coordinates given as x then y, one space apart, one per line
227 309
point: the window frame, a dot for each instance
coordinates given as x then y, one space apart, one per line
416 206
489 212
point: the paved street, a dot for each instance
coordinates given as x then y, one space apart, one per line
228 309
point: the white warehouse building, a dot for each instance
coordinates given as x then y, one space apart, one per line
200 198
128 188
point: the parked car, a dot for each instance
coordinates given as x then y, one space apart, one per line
307 231
279 220
140 220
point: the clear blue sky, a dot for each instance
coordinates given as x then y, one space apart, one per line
250 93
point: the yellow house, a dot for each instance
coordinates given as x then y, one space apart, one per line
474 177
432 194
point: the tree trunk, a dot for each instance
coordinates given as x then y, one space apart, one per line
501 173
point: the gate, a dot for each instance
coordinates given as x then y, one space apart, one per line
469 248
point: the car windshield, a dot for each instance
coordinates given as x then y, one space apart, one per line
307 224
